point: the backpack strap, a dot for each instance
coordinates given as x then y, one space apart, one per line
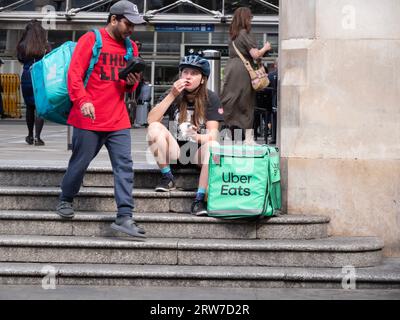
246 63
129 49
98 44
97 49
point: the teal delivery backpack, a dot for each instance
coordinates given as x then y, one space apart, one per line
49 79
244 182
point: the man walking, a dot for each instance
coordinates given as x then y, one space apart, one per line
99 115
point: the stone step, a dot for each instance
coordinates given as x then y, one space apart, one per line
329 252
385 276
93 199
164 225
146 176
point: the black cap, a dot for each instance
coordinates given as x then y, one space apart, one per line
128 10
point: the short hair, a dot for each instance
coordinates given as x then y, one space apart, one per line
117 16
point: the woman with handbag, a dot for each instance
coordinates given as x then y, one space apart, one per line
238 93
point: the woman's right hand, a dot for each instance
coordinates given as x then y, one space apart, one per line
267 46
178 87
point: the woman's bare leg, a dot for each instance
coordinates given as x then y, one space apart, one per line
162 144
203 156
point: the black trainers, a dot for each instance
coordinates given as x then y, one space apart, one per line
39 142
29 140
166 184
198 208
128 225
65 210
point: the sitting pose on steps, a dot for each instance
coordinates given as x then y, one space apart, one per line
194 113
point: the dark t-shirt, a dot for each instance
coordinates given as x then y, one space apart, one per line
214 112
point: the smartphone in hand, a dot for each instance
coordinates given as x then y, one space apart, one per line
135 65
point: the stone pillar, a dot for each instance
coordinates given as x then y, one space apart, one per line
340 114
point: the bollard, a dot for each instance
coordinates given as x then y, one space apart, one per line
214 81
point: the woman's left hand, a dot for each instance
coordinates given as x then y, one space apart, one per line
191 133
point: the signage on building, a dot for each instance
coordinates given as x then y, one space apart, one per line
184 27
199 48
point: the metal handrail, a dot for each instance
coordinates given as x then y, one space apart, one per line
268 4
74 11
178 3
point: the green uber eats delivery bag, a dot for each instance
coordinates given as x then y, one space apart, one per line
243 182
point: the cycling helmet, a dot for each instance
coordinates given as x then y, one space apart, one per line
197 62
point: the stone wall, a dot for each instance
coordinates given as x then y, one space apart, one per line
340 114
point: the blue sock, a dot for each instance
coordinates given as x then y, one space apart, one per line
166 171
201 193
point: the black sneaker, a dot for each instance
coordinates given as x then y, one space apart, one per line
39 142
65 210
198 208
128 226
29 140
166 184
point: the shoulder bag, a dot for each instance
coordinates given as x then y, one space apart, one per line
258 76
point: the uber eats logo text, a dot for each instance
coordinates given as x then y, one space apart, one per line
232 189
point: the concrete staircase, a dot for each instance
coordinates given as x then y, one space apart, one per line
181 250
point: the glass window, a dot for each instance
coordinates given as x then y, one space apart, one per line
220 38
259 38
256 7
146 38
165 74
28 6
3 40
97 8
196 37
57 38
274 40
185 8
169 42
79 34
59 5
102 7
147 71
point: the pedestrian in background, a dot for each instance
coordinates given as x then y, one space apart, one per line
1 93
32 46
238 95
273 85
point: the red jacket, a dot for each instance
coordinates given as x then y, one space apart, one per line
103 89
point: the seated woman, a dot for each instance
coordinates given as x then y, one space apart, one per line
194 113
